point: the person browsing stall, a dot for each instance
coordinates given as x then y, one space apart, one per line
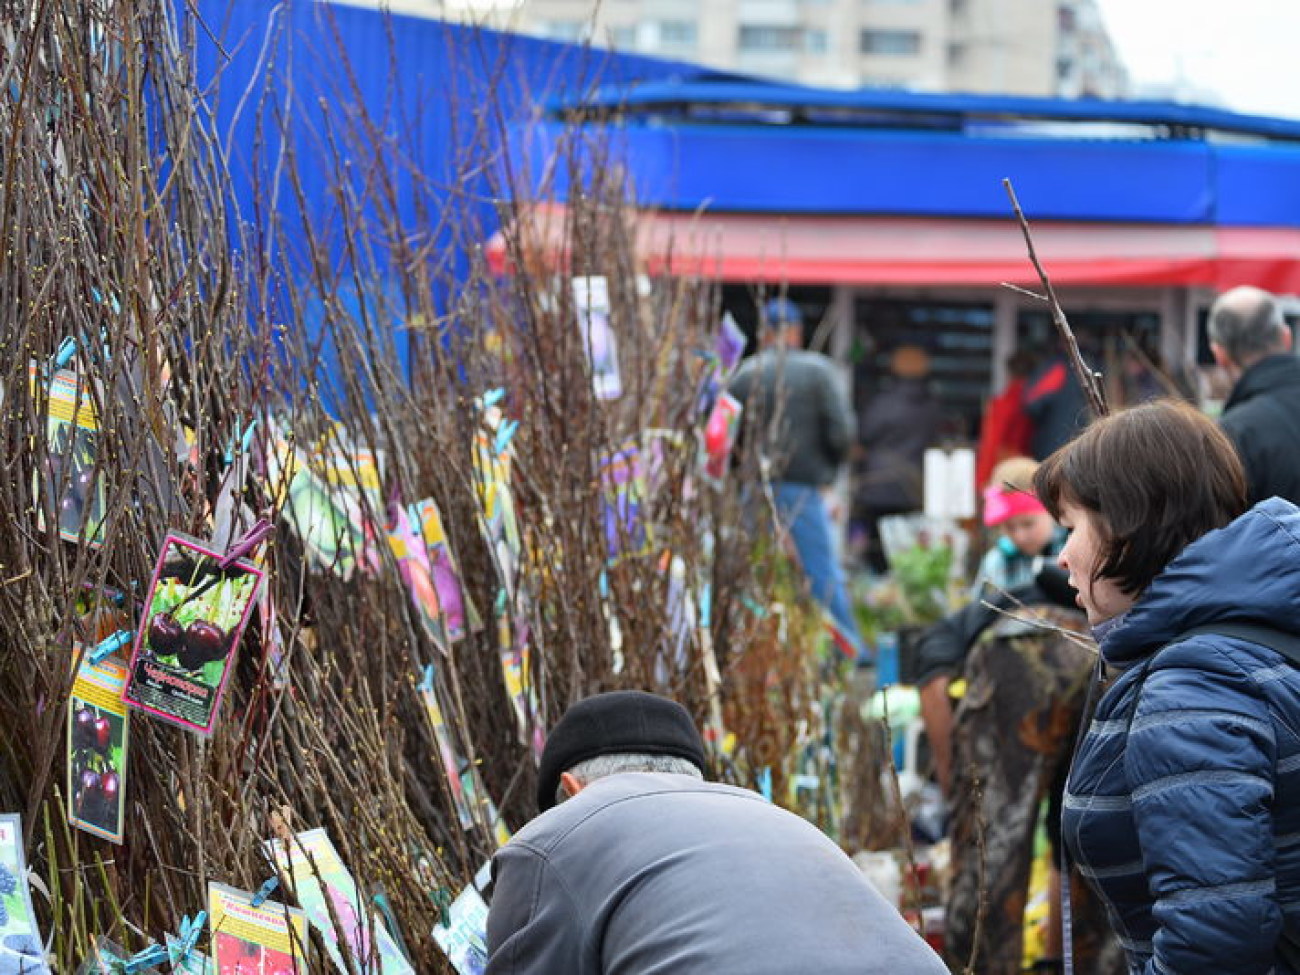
637 866
1182 806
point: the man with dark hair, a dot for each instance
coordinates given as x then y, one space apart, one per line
794 400
643 867
1251 341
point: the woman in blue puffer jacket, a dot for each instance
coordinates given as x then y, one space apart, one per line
1183 803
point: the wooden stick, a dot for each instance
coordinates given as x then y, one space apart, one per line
1088 379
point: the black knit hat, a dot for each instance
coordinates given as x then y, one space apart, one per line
618 722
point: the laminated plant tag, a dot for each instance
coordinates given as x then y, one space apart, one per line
21 949
106 958
498 521
624 490
446 750
467 791
184 650
463 936
326 495
72 444
591 300
419 544
310 867
266 940
98 733
731 344
720 435
515 649
193 963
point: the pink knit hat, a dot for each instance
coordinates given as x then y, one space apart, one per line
1001 504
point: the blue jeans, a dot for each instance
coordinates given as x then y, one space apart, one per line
804 515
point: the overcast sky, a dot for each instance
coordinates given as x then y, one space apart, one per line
1245 51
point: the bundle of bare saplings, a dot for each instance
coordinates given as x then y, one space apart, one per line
302 546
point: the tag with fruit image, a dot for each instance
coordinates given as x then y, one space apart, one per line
21 948
269 939
195 614
97 742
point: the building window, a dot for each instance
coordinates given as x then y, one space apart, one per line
564 30
814 41
764 38
622 38
890 42
677 33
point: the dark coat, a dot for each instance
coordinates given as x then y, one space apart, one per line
1056 406
897 427
1183 804
943 647
1262 416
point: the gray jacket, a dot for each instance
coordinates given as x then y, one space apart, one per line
814 419
648 874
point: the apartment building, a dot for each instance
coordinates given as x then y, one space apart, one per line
1030 47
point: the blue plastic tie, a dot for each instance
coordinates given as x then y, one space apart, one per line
265 891
505 433
66 350
110 645
187 938
151 957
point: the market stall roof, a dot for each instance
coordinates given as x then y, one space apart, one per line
802 249
734 98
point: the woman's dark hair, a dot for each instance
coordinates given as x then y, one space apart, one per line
1155 478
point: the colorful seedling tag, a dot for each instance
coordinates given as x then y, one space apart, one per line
184 650
312 869
72 444
191 962
419 544
720 435
463 938
98 733
730 345
499 524
325 496
266 940
515 649
467 791
106 958
21 948
624 492
591 301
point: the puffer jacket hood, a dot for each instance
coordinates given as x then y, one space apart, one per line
1246 572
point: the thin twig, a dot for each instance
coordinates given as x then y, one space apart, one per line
1088 379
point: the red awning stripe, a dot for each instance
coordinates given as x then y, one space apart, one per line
914 251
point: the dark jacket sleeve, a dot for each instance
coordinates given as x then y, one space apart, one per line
1200 762
838 421
1238 425
943 647
532 925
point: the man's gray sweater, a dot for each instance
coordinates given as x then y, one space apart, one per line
795 399
650 874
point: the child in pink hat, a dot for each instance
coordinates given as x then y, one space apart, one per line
1028 533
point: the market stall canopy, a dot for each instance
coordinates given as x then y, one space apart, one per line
799 249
